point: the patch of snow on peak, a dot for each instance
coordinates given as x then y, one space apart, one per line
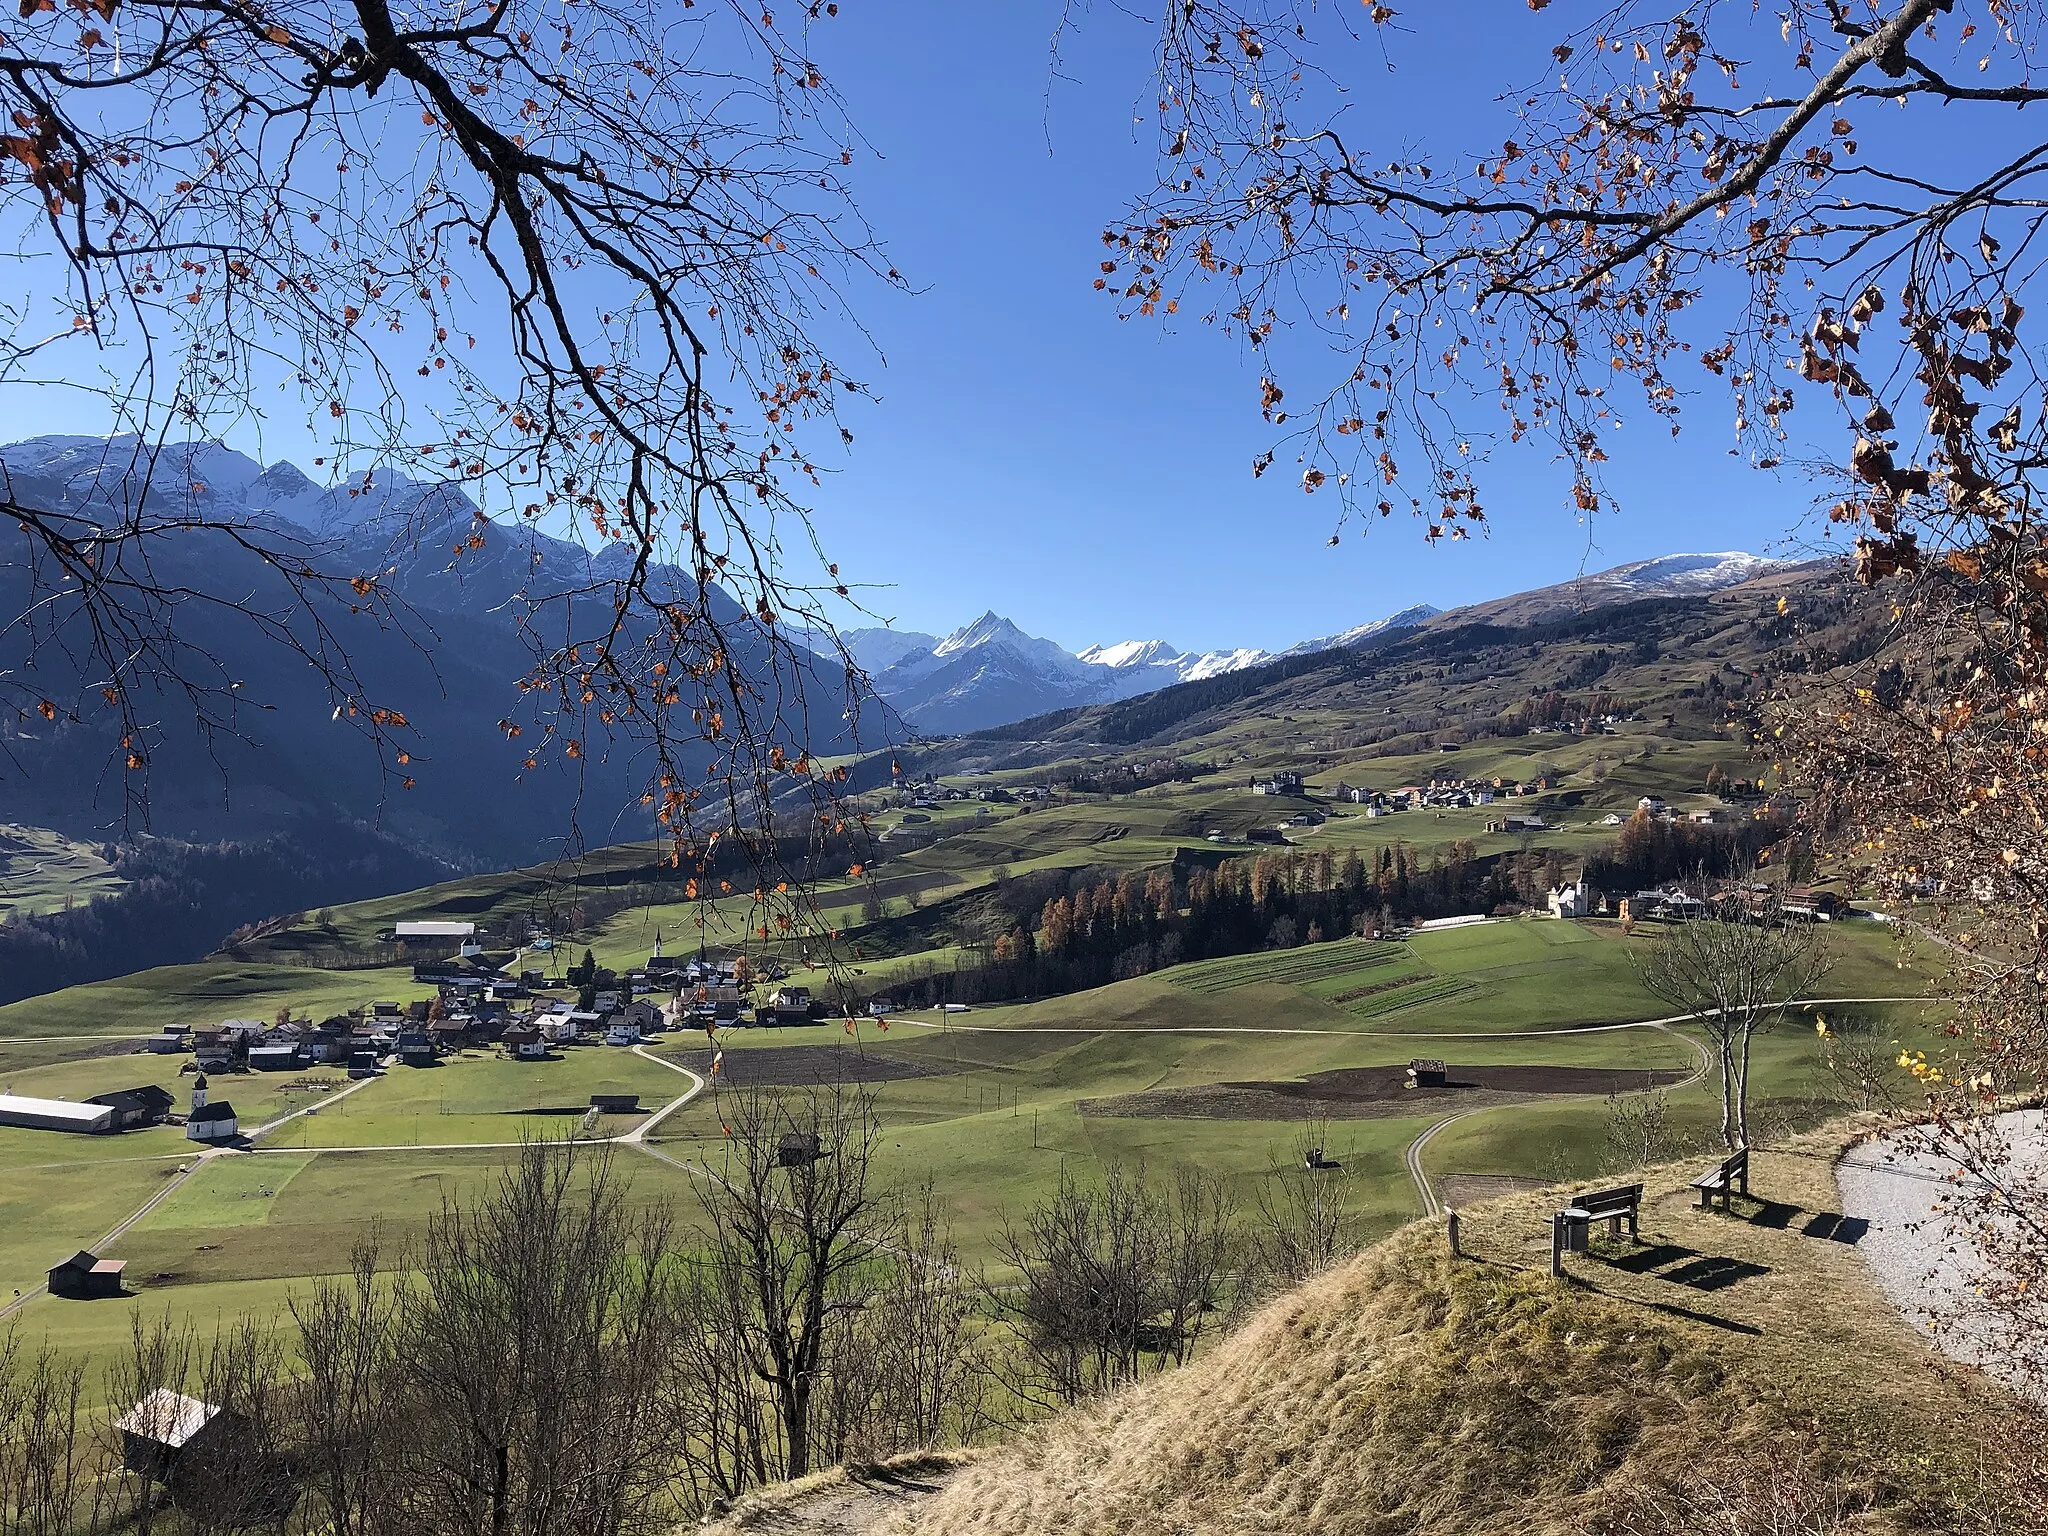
1407 618
1687 573
992 629
1131 653
1216 663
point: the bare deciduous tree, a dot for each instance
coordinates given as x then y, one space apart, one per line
1111 1276
795 1229
534 1342
1736 971
1302 1220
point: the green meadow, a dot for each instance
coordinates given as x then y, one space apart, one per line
990 1106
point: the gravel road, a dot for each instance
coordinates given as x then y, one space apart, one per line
1900 1184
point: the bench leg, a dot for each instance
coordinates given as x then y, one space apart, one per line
1635 1234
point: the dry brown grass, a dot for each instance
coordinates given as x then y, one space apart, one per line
1405 1392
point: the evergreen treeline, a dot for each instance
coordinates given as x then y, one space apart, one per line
1650 851
1108 927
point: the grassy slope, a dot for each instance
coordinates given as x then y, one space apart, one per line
1001 1110
1406 1392
42 871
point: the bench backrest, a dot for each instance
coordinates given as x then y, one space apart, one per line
1602 1202
1734 1163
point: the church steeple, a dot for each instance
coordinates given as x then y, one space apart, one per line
198 1093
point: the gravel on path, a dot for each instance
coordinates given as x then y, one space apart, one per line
1902 1184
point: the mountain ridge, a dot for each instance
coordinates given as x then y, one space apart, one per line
990 673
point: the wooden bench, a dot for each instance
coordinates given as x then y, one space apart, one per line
1570 1228
1727 1180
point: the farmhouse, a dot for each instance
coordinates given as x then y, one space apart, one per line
1278 784
522 1043
85 1277
54 1114
132 1107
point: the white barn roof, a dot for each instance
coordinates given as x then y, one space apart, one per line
436 930
53 1114
166 1417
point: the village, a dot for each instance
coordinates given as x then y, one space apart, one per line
479 1004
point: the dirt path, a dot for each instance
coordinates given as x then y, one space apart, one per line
842 1503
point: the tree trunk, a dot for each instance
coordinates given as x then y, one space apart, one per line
1727 1094
1742 1085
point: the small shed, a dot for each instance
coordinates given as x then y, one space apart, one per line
217 1472
85 1276
615 1103
797 1149
164 1044
1424 1073
362 1064
163 1429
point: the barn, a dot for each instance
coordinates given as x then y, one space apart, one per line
54 1114
149 1104
84 1276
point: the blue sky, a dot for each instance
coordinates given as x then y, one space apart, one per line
1090 477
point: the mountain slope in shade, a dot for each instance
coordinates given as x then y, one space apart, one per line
452 665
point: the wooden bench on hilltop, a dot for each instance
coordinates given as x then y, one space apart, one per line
1571 1228
1728 1179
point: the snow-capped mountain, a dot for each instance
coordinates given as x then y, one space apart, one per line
1157 663
877 650
991 672
1675 574
476 592
1407 618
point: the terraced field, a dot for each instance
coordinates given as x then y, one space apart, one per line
1317 962
1419 993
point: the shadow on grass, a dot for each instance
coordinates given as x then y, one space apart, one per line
1714 1274
1727 1325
